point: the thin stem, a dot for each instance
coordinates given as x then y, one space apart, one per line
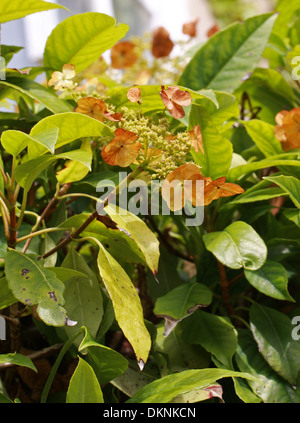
5 219
78 195
23 208
225 288
37 233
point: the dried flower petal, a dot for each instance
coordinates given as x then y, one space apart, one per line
287 129
177 195
196 137
93 107
190 28
122 150
174 99
219 188
123 55
162 45
213 30
134 95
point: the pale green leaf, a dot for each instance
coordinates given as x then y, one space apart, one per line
18 359
69 45
17 9
289 184
84 387
126 303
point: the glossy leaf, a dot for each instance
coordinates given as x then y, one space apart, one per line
18 9
289 184
272 331
139 232
271 279
262 133
106 362
84 387
33 284
168 387
67 45
216 160
237 246
268 385
181 302
214 333
18 359
229 55
126 303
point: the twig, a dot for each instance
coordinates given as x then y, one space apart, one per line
225 289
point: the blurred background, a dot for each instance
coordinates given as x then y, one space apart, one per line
142 16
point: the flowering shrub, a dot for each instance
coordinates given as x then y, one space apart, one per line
113 298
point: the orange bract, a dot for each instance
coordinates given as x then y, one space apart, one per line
287 129
196 137
162 45
123 55
122 150
215 28
93 107
219 188
190 28
180 191
174 99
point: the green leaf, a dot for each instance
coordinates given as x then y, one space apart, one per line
106 362
271 279
139 232
84 387
293 215
239 171
229 55
72 126
216 160
38 93
262 133
18 8
120 245
237 246
67 45
73 170
181 302
14 142
18 359
7 298
214 333
289 184
268 385
167 388
33 284
126 303
271 330
180 354
83 298
27 172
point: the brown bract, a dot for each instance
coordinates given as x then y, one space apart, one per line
219 188
190 28
123 55
196 138
287 129
122 150
213 30
181 185
93 107
174 99
162 45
